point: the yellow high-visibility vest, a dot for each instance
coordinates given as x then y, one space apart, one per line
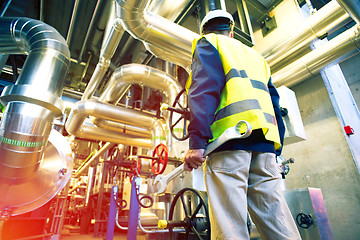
245 95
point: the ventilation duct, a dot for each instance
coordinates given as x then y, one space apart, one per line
27 162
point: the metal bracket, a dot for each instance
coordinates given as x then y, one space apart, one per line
268 24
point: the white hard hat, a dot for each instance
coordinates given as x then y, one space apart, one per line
218 13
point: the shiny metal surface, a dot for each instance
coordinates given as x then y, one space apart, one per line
168 9
157 31
345 44
352 7
31 106
113 37
75 123
53 173
142 75
42 77
111 41
327 18
98 154
24 130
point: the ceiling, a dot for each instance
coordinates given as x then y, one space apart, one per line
85 35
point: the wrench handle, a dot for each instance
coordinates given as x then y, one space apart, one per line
176 172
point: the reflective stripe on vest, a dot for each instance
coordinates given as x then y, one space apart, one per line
246 94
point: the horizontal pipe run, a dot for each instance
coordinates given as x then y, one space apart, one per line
346 44
81 110
324 20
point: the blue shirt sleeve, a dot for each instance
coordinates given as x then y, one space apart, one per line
208 80
275 98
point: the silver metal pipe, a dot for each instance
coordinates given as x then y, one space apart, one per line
324 20
75 124
352 7
5 8
91 25
72 22
110 43
112 39
41 10
98 154
157 31
142 75
34 101
168 9
344 45
121 128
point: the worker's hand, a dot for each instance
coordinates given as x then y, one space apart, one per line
194 158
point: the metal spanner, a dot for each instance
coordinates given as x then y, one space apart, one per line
235 132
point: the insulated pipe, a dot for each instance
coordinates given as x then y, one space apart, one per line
108 48
157 31
112 39
142 75
327 18
75 124
352 7
34 101
346 45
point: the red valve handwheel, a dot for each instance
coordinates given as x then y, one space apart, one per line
135 169
161 152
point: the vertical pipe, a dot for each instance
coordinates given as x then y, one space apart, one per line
134 212
5 8
87 36
112 214
72 22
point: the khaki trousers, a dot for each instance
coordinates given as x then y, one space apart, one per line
239 181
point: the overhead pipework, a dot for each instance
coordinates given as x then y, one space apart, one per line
111 41
158 32
352 7
115 32
341 47
318 25
75 124
31 106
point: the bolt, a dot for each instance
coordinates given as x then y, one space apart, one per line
5 213
62 172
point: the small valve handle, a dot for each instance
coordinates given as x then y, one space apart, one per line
161 154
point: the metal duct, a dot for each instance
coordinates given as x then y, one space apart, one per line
75 124
34 100
327 18
108 48
344 45
157 31
352 7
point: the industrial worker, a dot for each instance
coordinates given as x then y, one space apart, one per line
230 82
